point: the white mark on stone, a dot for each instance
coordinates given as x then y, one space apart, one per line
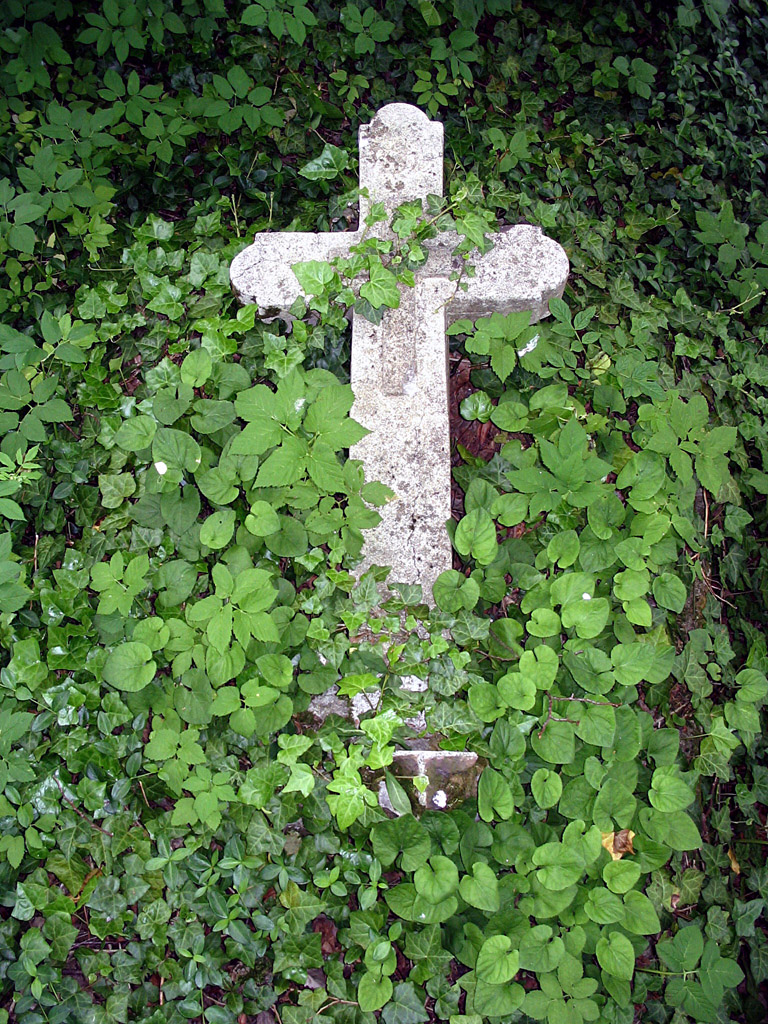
440 799
526 349
161 468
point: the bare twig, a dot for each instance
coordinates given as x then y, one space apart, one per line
552 718
587 700
141 787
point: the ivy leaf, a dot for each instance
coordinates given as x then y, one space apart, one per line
314 276
381 288
329 165
407 1006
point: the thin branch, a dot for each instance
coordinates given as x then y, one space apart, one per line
587 700
552 718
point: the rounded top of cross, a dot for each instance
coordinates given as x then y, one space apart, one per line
397 115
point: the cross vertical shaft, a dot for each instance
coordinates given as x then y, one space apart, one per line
399 367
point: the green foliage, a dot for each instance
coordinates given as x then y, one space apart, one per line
180 522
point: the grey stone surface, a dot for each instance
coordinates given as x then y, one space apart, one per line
452 777
524 270
399 368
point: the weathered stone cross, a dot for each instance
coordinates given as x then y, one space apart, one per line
399 368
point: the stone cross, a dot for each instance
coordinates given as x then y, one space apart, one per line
399 371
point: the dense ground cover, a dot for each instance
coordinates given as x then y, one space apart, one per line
177 842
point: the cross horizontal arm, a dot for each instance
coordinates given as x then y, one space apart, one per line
262 275
523 271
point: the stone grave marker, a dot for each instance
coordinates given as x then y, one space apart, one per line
399 370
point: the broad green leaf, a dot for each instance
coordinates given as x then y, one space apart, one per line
494 796
669 592
675 830
588 615
196 368
547 787
437 879
669 792
216 532
621 875
517 691
554 742
476 537
175 450
130 667
136 434
497 963
640 916
481 889
372 994
616 955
